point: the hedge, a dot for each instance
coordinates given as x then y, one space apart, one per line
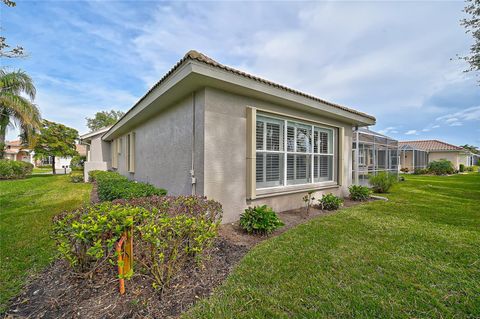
14 169
112 185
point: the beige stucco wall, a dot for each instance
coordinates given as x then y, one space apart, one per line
450 156
163 148
98 156
407 160
225 153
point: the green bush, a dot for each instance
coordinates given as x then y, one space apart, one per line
469 168
359 193
14 169
441 167
112 185
76 178
260 220
167 233
330 202
77 162
420 171
461 168
382 182
404 170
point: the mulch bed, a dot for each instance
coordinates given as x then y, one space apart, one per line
59 293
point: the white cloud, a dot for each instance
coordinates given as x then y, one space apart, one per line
469 114
411 132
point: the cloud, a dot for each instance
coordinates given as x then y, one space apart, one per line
469 114
411 132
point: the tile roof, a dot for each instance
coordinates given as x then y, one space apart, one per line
431 145
200 57
13 143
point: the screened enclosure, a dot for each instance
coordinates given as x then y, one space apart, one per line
412 158
372 153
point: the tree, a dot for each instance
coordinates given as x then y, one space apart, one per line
5 51
103 119
472 25
471 148
55 140
16 109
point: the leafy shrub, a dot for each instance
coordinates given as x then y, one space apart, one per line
308 200
330 202
167 232
469 168
76 178
260 220
461 168
359 193
382 182
404 170
441 167
420 171
112 185
86 237
14 169
77 162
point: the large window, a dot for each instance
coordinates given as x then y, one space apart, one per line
292 153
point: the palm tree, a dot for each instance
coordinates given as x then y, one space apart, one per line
17 93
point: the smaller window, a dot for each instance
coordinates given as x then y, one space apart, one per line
130 152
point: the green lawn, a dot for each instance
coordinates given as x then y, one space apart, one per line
40 170
26 210
415 256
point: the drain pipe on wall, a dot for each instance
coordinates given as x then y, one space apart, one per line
192 170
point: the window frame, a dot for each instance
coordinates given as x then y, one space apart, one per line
332 151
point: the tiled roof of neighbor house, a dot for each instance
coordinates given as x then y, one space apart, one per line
431 145
16 143
200 57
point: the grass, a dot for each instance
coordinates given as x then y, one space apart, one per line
38 170
415 256
26 210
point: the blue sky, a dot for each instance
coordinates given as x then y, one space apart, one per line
394 60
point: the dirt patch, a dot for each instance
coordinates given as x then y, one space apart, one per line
94 194
58 293
235 234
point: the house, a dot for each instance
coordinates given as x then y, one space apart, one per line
97 151
435 150
209 129
15 151
372 152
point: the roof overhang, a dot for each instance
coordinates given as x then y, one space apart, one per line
90 135
193 75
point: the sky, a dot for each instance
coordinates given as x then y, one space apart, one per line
394 60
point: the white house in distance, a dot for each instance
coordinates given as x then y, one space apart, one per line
208 129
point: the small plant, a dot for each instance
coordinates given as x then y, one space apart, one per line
260 220
461 168
382 182
76 178
330 202
308 200
469 168
441 167
359 193
404 170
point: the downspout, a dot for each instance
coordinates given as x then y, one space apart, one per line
192 170
357 155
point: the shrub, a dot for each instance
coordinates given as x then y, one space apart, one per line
86 237
77 162
167 232
441 167
359 193
461 168
308 200
14 169
112 185
76 178
469 168
420 171
330 202
404 170
382 182
260 220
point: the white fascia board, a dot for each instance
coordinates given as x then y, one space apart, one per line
263 88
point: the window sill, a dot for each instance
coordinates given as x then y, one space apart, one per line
269 192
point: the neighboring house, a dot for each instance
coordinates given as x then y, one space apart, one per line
97 151
435 150
372 153
62 162
14 151
211 130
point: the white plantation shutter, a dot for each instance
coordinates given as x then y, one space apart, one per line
291 152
